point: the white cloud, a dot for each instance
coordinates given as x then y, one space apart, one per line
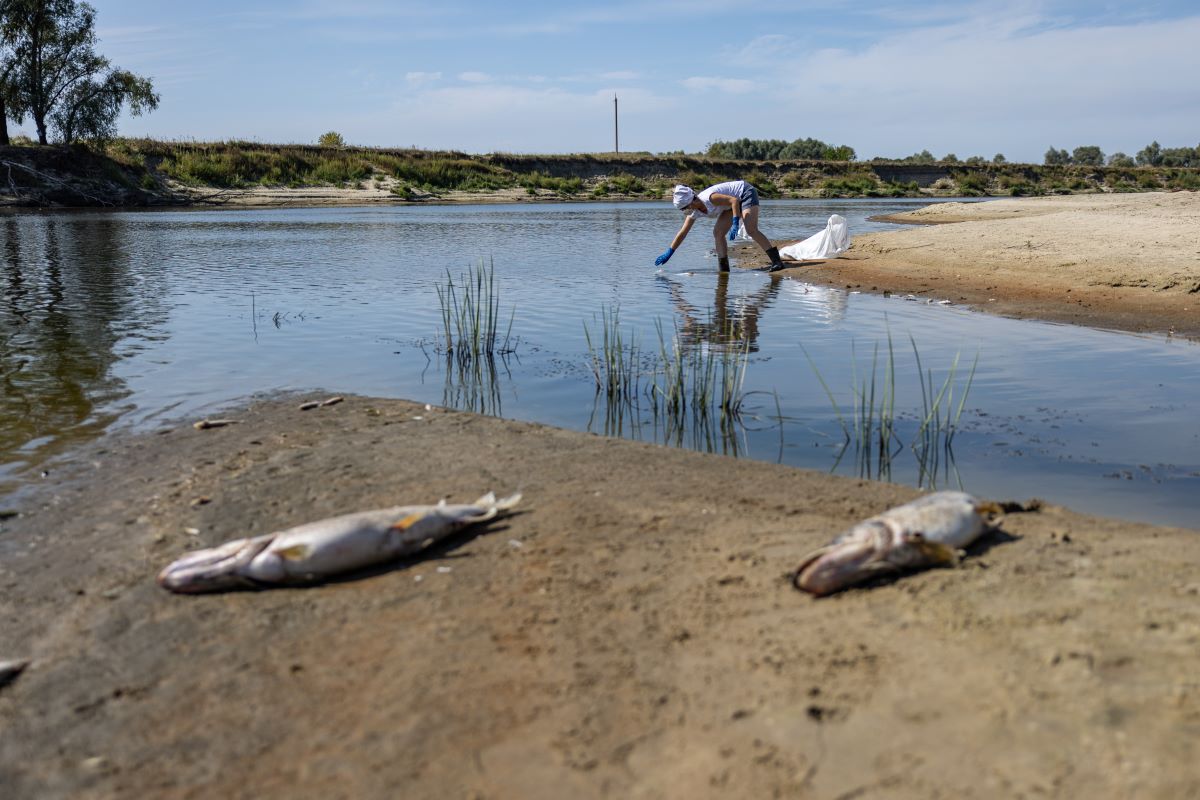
474 77
421 78
731 85
1015 84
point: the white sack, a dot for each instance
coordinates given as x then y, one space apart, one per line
829 243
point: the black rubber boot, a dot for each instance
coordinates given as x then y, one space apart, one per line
723 263
776 263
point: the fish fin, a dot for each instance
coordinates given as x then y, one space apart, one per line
294 553
936 552
991 512
408 522
488 499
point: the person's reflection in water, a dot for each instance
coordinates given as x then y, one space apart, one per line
728 321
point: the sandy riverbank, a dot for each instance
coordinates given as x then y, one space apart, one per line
1122 261
631 633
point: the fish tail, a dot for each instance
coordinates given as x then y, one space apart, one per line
491 508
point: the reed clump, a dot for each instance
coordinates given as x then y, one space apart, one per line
871 427
471 316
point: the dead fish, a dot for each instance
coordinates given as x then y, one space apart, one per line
9 670
208 424
316 551
927 532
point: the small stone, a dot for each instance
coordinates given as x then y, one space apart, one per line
333 401
192 531
311 404
444 570
94 764
200 501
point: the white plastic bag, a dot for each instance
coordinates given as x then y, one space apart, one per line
829 243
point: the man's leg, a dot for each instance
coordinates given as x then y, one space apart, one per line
720 231
750 220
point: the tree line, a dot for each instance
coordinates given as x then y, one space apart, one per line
780 150
1152 155
51 73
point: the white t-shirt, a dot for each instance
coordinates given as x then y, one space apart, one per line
738 189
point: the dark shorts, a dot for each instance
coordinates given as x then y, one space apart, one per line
749 197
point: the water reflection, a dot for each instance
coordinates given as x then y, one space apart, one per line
474 384
69 299
729 320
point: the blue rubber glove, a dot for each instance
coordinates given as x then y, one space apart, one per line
733 231
665 257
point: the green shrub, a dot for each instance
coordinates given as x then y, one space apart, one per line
1184 180
1149 180
853 185
971 184
331 139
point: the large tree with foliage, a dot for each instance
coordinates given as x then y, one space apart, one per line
59 79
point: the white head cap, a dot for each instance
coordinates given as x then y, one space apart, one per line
683 196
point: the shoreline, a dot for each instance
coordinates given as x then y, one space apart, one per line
630 631
1126 262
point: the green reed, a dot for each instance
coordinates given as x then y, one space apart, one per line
471 315
615 358
933 442
870 425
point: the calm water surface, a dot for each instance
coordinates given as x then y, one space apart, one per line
117 320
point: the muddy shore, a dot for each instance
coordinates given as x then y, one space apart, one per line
631 633
1126 262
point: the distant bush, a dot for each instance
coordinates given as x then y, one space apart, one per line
1184 180
331 139
971 184
452 173
780 150
853 185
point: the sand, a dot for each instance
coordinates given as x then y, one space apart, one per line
631 633
1121 261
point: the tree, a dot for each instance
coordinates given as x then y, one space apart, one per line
923 157
10 101
950 158
1150 155
1090 155
1054 157
999 159
331 139
1120 160
89 110
59 79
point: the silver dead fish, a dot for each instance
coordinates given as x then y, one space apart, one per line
318 550
927 532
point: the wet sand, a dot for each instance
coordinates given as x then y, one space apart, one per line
1122 261
631 633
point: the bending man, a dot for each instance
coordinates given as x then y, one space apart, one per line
730 202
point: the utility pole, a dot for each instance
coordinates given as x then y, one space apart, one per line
616 137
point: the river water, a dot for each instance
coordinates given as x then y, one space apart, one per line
131 319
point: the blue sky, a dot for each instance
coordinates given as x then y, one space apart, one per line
887 78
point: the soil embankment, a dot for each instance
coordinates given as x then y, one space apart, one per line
1122 261
631 633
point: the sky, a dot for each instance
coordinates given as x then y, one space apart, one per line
887 78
